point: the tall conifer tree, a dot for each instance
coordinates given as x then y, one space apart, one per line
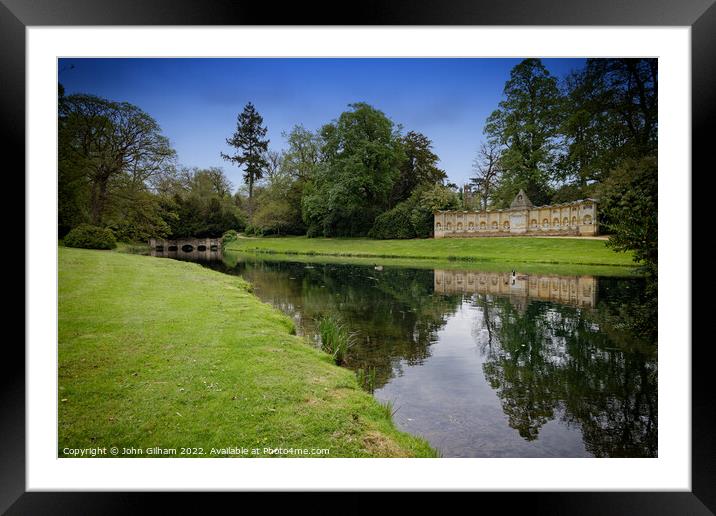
250 143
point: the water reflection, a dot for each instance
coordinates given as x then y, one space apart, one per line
393 311
489 364
546 360
577 290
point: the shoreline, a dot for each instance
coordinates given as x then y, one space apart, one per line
164 354
231 257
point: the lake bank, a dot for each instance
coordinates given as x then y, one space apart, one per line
231 257
170 355
524 250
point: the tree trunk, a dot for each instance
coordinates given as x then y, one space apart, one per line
99 200
251 196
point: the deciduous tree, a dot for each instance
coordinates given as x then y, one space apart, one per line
486 171
610 116
418 168
526 126
361 158
101 140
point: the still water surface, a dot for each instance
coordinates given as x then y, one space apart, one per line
488 364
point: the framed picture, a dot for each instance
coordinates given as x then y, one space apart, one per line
453 309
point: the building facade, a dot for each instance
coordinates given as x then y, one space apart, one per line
578 218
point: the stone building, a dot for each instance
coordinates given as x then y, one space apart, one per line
521 218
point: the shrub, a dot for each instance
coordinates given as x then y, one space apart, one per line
413 218
90 237
395 223
427 200
228 237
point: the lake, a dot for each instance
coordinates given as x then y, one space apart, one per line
485 363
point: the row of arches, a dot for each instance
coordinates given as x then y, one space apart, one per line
587 219
534 224
494 226
580 290
543 285
187 248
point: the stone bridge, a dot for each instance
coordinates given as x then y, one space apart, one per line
195 249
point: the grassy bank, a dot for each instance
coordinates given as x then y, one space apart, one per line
499 250
161 353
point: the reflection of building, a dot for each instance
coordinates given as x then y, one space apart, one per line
193 249
576 290
521 218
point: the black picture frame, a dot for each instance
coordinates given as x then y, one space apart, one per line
700 15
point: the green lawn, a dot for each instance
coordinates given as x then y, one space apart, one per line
161 353
507 250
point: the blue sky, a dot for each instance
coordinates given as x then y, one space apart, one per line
196 101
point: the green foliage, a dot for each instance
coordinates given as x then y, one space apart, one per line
606 115
571 191
278 210
138 216
413 218
199 204
252 230
396 223
112 160
90 237
228 237
107 150
361 158
418 168
427 201
336 340
303 154
277 217
526 126
629 203
359 175
610 116
200 217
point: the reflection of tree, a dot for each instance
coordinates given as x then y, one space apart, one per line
630 315
623 424
518 365
547 358
393 311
